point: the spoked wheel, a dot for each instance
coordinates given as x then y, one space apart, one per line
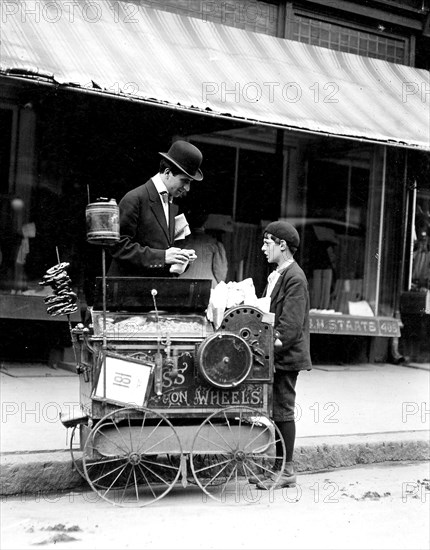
200 460
125 457
78 463
241 443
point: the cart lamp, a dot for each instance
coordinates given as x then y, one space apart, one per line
102 220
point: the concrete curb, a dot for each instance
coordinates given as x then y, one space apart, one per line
45 472
32 473
322 453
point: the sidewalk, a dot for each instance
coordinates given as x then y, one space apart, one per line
345 415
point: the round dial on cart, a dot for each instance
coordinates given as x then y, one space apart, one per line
224 359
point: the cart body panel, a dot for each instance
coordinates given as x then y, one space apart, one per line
161 388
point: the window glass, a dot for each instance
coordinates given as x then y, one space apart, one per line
5 148
346 39
215 193
11 207
419 173
259 186
420 275
334 234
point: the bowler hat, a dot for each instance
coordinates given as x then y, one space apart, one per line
284 231
186 157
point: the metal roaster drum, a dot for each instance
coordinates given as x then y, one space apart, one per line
102 218
224 359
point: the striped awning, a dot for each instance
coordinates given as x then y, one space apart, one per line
186 62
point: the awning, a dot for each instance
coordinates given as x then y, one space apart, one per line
187 62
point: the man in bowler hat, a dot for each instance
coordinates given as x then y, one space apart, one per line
147 217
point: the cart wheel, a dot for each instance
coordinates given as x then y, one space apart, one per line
200 460
231 446
77 463
125 457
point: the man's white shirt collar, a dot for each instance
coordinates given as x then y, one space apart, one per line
159 184
161 188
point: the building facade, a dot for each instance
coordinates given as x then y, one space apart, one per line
304 112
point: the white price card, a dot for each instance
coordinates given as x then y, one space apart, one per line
128 381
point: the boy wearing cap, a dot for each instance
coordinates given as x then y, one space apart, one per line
289 301
147 217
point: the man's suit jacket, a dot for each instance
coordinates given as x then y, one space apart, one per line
289 302
144 235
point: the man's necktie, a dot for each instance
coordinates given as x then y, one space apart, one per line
165 197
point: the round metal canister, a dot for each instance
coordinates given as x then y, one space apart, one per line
224 359
102 219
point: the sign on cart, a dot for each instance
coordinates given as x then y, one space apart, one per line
124 380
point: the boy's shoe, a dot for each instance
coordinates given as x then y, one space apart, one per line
283 481
265 474
259 479
287 479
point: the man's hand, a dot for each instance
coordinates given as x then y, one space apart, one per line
175 256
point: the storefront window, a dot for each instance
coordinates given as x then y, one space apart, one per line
332 190
421 248
6 121
40 219
215 195
12 207
334 233
259 186
245 186
419 268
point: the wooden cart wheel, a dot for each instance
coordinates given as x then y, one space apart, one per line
200 460
125 457
77 462
241 442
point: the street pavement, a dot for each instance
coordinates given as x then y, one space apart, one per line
345 414
372 506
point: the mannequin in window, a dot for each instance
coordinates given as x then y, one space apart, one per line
211 262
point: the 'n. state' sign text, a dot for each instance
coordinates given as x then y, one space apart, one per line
354 325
